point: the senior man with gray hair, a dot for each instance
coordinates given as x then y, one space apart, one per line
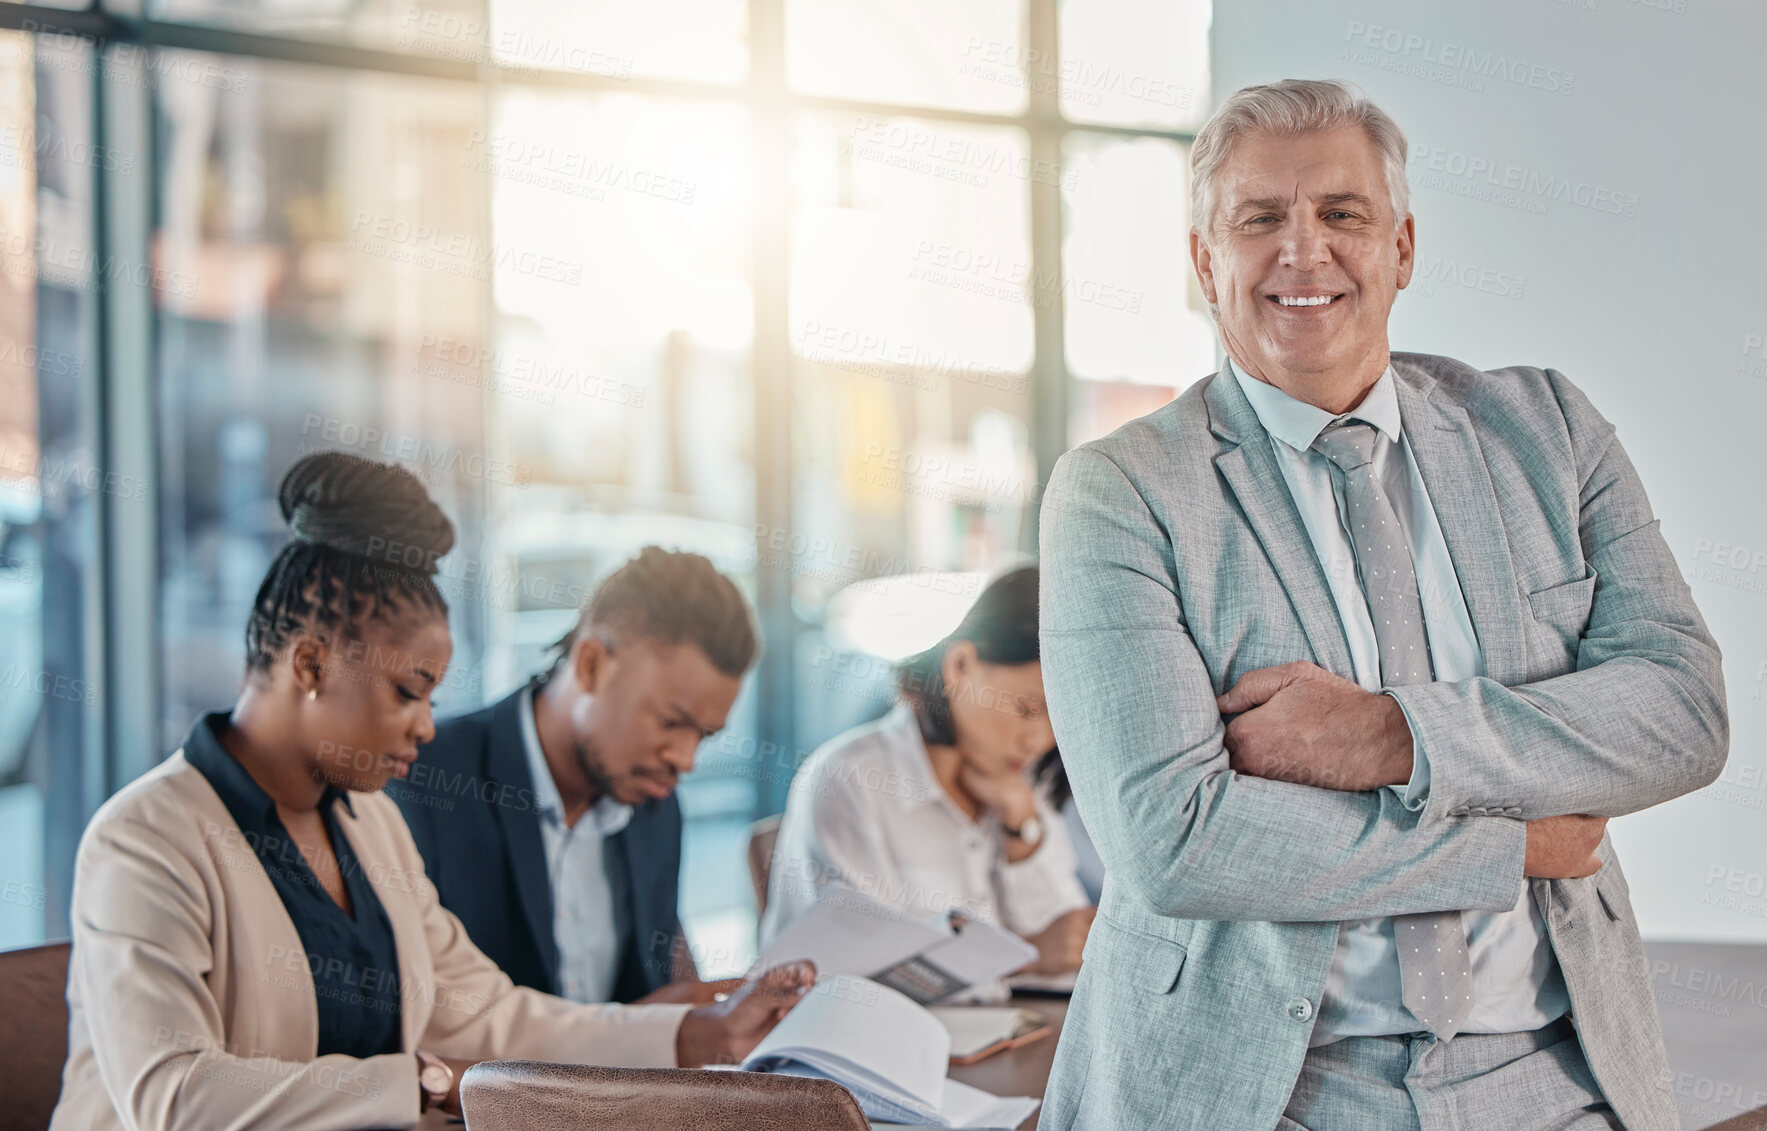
1351 654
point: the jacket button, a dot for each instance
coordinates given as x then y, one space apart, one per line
1513 811
1300 1008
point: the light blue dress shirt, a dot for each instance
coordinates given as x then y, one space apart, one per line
586 923
1517 985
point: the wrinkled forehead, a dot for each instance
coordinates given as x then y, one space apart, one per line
1302 166
1313 169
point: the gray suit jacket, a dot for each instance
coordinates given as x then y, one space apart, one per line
1174 561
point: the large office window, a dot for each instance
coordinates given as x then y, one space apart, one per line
320 244
52 478
817 289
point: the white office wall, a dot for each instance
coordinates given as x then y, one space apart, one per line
1645 282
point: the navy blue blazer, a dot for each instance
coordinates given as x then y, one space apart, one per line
470 803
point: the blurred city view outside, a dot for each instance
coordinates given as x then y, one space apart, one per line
568 289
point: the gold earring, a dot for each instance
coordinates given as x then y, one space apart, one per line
312 694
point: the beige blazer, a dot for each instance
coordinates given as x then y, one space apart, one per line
191 1004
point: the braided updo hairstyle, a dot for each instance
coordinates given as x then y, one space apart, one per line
367 538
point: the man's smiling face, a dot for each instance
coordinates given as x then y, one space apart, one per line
1303 260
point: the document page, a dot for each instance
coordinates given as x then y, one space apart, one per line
889 1052
866 1036
928 960
848 933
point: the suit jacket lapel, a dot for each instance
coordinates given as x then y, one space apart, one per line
1455 474
1249 466
506 762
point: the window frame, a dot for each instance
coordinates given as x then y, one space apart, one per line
127 627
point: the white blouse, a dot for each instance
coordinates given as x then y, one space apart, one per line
867 813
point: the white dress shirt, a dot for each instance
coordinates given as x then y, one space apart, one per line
1517 984
867 813
586 922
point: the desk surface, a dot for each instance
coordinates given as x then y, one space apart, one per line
1023 1071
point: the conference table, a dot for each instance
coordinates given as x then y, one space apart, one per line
1023 1071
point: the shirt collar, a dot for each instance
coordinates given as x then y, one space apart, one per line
1297 423
609 815
239 791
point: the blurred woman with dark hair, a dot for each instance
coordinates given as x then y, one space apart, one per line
255 941
933 808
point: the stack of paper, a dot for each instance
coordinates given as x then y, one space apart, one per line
886 1050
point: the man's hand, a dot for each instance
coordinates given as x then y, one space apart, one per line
1563 848
1300 723
689 993
1059 944
724 1032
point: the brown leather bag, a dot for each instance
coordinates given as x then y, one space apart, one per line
525 1095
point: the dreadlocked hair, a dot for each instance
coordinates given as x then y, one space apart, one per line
367 538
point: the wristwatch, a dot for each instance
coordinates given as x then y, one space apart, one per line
1031 832
434 1081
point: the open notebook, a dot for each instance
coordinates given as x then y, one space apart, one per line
886 1050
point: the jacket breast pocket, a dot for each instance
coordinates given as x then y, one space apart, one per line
1150 962
1561 612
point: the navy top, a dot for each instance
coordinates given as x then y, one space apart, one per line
353 960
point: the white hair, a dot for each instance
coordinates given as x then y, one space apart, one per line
1288 109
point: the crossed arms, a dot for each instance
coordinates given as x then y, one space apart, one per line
1641 719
